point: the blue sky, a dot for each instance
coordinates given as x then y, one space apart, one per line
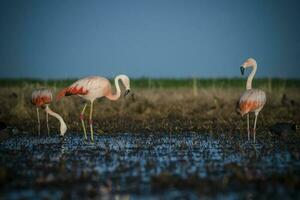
164 38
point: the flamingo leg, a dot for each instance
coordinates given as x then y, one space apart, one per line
254 129
47 120
82 121
248 127
91 122
38 118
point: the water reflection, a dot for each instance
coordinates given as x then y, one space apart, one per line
123 164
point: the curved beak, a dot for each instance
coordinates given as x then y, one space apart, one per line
126 92
242 70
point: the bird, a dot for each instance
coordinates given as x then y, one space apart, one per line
94 87
252 100
41 98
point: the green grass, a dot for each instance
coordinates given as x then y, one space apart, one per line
168 82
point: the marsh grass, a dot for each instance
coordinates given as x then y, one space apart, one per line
151 83
159 105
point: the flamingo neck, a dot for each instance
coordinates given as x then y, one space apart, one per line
63 126
251 76
116 96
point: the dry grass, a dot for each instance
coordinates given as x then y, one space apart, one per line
211 109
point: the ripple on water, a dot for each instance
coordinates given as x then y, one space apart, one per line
129 160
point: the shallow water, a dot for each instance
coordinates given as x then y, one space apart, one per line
125 166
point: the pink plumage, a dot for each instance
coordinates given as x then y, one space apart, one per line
41 97
252 100
94 87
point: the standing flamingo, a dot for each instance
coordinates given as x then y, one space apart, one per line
42 98
252 100
94 87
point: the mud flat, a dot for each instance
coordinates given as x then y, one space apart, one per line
186 165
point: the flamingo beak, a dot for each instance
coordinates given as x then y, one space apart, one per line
242 70
126 92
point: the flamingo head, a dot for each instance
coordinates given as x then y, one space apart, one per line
63 129
248 63
126 82
126 92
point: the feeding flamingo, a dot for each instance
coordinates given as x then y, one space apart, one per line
252 100
42 98
94 87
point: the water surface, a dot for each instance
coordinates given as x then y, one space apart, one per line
146 166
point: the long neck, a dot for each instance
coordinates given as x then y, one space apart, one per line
250 77
117 95
63 125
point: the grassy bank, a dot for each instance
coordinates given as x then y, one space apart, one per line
161 106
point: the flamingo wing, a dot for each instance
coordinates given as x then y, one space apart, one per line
75 89
41 97
82 86
251 100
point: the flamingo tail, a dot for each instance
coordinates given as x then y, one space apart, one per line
61 94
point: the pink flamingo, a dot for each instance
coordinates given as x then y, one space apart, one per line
252 100
42 98
94 87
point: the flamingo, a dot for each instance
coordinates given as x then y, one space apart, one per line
92 88
252 100
42 98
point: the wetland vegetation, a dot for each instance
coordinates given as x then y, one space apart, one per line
158 105
172 138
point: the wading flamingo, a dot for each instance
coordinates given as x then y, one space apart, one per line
94 87
42 98
252 100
